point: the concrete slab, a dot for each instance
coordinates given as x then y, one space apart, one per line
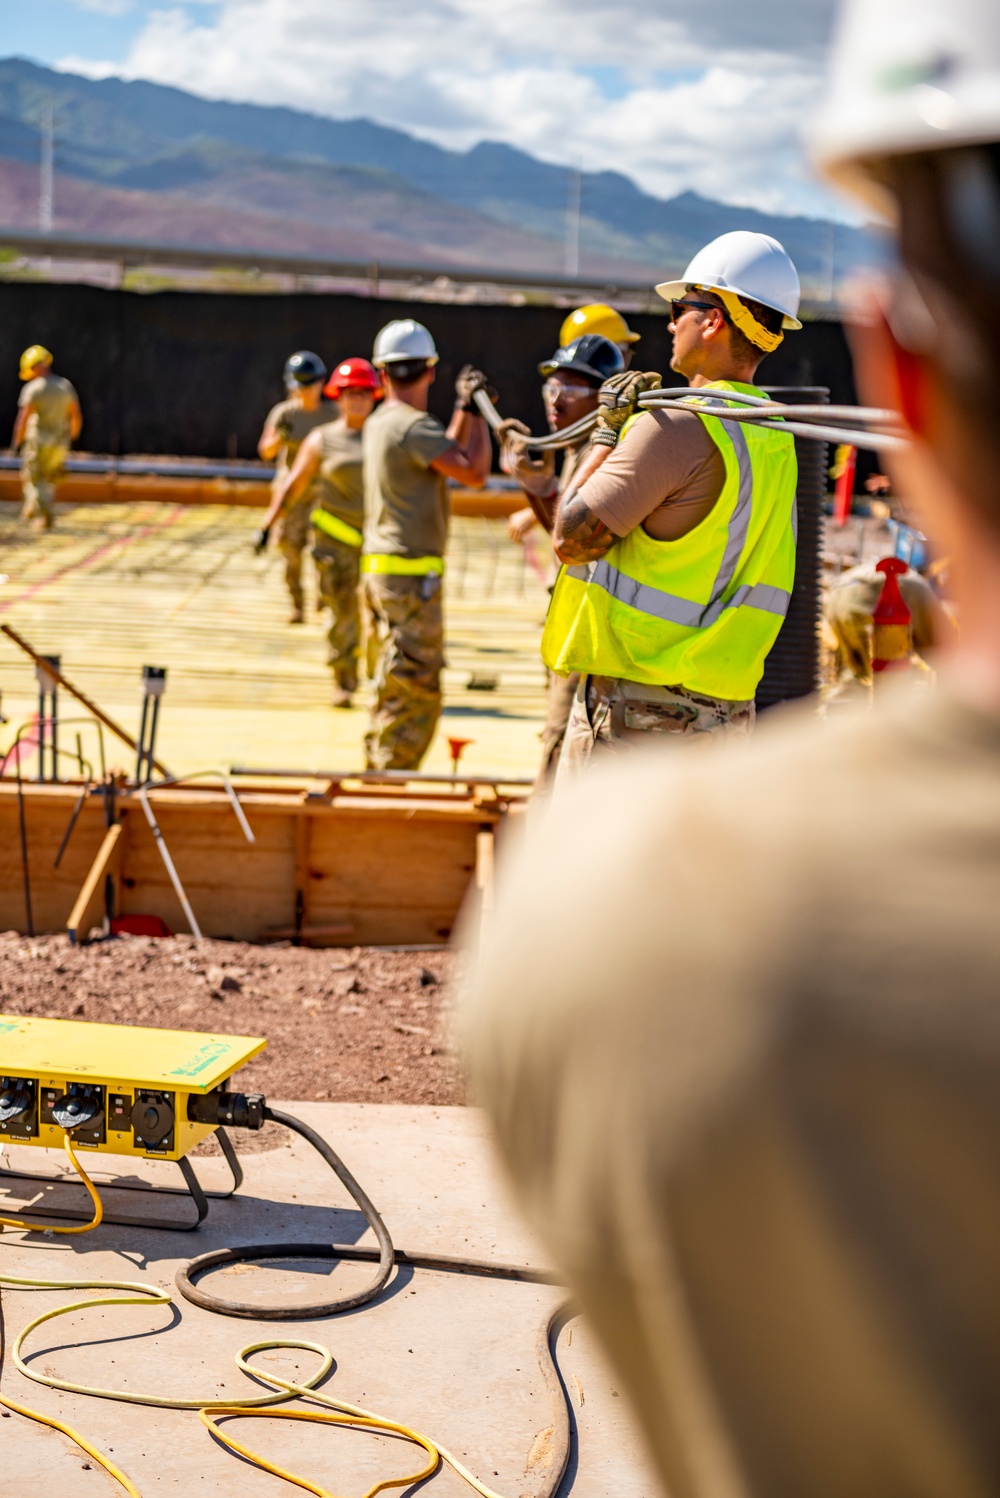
450 1355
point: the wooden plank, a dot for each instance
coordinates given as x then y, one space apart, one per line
53 890
91 906
374 869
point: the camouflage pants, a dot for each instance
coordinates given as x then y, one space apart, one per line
294 535
609 715
406 618
41 470
560 692
338 575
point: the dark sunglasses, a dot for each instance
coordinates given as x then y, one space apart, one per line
678 309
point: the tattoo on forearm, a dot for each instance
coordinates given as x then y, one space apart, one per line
579 535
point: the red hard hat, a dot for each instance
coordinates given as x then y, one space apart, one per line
353 374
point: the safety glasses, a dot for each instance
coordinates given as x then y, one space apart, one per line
678 309
553 388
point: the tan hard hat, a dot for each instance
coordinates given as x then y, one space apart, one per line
599 318
32 357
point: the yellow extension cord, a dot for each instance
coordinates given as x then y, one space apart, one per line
208 1410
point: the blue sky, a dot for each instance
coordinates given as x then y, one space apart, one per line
711 96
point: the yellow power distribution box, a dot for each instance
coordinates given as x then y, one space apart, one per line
120 1089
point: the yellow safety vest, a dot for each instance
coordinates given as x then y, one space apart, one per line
700 612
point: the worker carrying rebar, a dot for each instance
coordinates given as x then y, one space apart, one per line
48 422
679 548
408 455
595 318
572 378
328 467
286 427
755 1117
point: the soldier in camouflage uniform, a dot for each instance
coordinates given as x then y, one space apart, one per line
328 466
573 377
286 427
48 422
408 455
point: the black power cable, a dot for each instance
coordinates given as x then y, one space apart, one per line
252 1112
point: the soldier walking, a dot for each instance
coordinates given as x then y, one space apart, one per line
48 423
408 455
328 466
287 426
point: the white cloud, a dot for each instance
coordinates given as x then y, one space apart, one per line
106 7
709 95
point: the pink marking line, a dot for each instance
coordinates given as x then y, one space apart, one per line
93 556
537 566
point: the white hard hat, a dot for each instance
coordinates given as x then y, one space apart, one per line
748 265
403 340
907 75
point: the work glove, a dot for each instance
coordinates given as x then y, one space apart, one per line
536 475
618 401
469 381
260 539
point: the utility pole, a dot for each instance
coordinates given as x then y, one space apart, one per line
45 182
831 261
573 201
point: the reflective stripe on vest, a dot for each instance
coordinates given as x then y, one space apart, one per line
330 525
701 611
401 566
669 606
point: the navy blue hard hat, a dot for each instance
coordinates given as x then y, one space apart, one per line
304 368
593 356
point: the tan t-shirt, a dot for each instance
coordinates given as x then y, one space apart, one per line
665 475
51 399
340 484
406 503
299 423
750 1098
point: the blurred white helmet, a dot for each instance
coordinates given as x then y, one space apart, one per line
907 76
403 340
744 264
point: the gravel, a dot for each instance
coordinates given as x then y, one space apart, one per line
358 1025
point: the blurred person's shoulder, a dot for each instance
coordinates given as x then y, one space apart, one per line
855 858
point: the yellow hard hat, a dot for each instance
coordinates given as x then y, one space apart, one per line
597 317
32 357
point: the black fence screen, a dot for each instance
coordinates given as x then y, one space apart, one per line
194 373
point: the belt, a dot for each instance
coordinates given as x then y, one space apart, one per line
338 529
402 566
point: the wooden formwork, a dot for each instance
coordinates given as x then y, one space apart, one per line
330 865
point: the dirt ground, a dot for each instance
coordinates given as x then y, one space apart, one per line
343 1024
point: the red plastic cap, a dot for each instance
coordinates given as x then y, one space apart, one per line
353 374
891 607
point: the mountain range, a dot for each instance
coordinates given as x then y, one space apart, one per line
139 161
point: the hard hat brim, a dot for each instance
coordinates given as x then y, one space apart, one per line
671 290
557 366
388 359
